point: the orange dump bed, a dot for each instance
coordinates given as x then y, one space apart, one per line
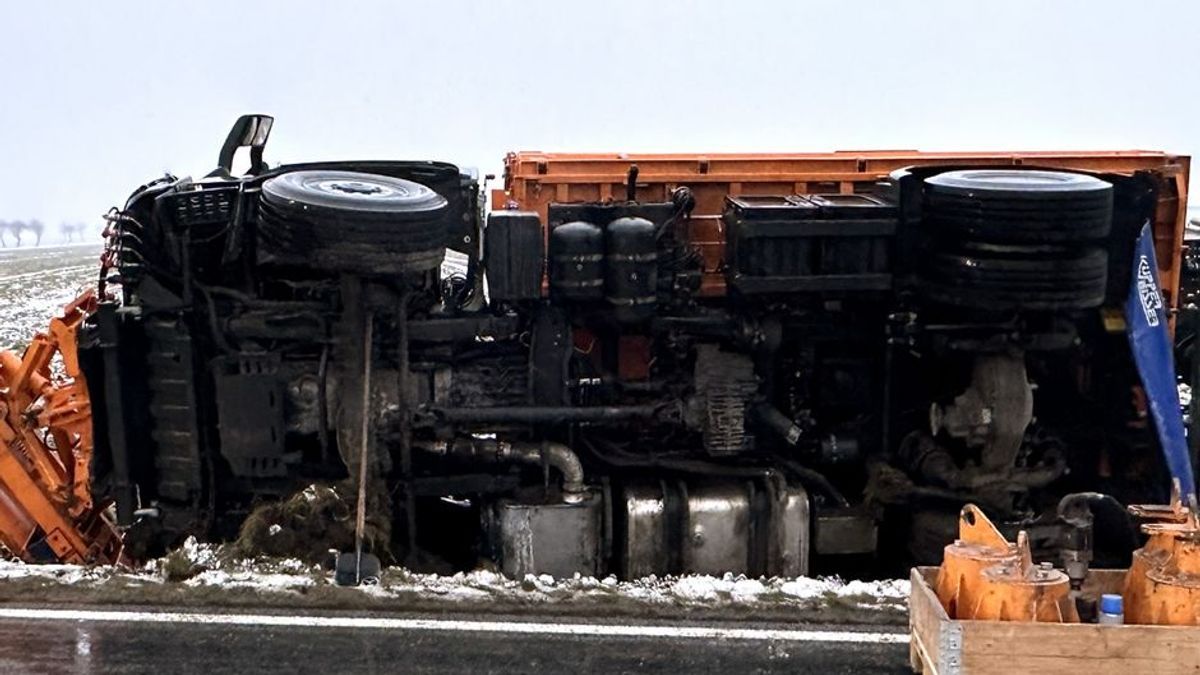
532 180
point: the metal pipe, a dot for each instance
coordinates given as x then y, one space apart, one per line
554 455
817 479
1079 507
707 468
545 414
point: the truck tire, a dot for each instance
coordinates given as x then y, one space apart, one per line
1017 278
352 222
1017 206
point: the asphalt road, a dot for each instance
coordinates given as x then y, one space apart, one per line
175 641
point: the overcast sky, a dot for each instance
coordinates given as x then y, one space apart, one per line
98 97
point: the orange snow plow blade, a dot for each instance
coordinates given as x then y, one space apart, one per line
47 513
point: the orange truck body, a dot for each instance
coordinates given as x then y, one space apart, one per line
533 180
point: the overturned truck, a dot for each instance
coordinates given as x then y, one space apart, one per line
655 364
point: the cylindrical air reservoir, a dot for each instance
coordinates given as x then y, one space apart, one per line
577 262
631 268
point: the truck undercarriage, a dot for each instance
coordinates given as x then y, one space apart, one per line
633 365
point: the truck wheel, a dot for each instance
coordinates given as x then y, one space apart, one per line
1018 206
1007 278
352 222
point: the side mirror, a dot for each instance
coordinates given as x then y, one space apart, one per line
249 131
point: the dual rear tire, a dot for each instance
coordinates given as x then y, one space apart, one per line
1010 239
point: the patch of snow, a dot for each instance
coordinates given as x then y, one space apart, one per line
313 492
690 590
748 588
804 588
72 575
695 588
892 589
199 554
253 580
483 585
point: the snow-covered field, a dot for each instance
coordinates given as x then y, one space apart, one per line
35 283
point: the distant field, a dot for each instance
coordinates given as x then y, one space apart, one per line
36 282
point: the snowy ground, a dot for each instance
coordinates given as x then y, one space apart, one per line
208 573
35 283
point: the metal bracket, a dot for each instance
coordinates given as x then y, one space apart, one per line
950 643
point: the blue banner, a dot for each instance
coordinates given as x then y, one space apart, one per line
1150 340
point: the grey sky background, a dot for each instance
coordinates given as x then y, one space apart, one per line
97 97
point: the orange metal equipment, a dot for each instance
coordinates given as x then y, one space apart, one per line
979 547
1162 586
532 180
984 577
1018 590
46 509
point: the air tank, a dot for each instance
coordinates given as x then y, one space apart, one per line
577 262
631 268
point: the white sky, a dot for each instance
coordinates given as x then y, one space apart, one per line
97 97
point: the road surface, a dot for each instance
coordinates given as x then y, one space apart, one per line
42 640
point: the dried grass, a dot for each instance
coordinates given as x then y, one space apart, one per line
311 522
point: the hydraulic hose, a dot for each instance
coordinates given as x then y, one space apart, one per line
772 418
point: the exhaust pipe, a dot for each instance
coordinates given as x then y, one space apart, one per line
554 455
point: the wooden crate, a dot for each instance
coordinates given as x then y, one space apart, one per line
943 646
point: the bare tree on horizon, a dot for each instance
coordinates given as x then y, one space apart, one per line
17 227
73 230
